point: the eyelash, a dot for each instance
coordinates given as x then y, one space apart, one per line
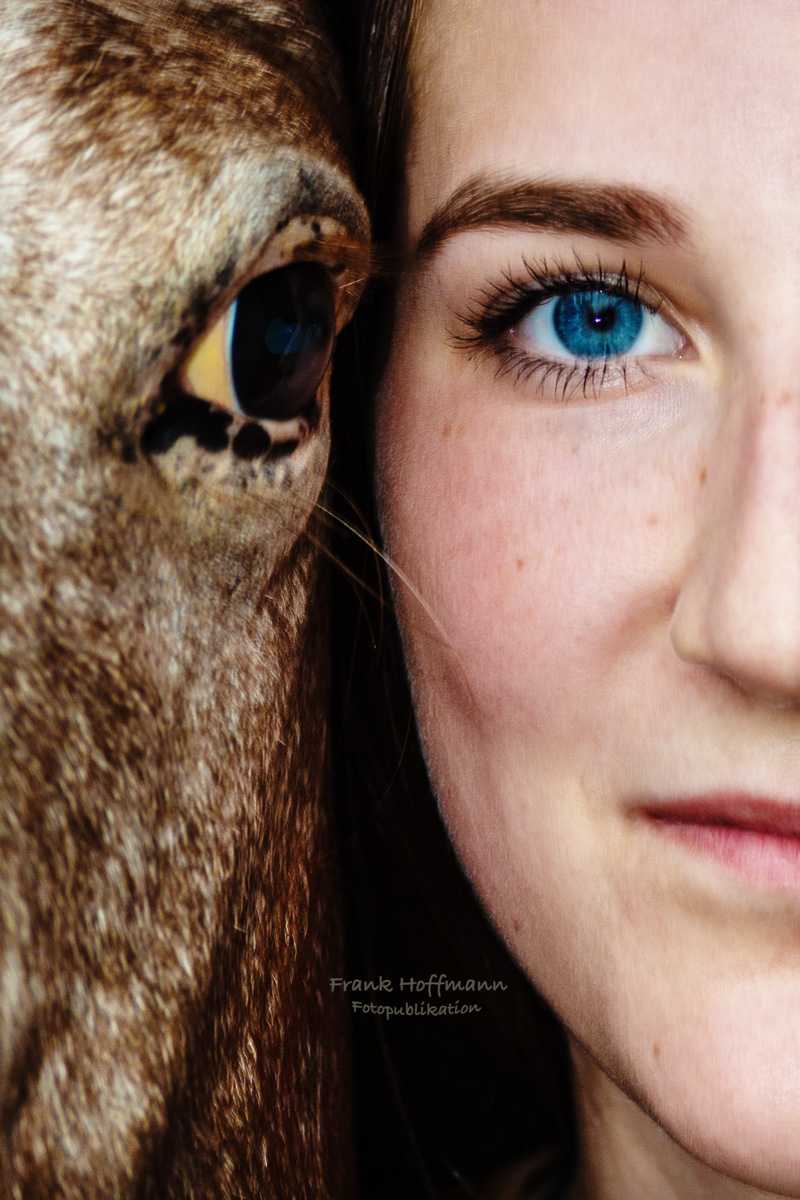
491 319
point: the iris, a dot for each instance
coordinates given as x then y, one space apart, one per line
594 324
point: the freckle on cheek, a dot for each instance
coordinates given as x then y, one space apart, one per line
703 476
656 1050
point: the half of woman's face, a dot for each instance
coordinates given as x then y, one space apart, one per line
589 470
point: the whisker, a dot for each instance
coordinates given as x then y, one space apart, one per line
444 638
397 571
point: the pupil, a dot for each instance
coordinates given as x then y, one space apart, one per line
605 321
281 340
593 324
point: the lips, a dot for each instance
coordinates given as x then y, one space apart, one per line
757 837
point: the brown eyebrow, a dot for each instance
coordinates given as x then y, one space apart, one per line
617 212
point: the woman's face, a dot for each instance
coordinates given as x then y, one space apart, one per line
589 472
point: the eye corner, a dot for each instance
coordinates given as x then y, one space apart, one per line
348 263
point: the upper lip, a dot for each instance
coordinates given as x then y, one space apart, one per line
738 810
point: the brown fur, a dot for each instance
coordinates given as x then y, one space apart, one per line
167 909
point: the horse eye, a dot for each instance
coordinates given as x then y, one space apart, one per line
269 351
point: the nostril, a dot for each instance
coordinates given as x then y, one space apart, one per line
727 628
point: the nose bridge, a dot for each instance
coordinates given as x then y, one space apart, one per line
738 610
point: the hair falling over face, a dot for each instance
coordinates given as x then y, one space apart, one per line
441 1103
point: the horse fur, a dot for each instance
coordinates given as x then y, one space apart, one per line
167 899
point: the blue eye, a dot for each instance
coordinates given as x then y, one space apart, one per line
593 324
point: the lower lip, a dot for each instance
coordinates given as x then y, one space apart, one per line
766 858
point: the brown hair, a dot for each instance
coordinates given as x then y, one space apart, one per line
443 1100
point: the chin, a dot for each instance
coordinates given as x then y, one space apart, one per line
748 1144
726 1088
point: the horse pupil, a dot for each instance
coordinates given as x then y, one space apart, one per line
281 341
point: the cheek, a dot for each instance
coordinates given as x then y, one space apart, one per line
545 550
540 546
542 550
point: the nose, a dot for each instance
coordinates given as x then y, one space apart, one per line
738 610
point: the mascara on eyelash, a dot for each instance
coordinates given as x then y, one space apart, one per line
503 304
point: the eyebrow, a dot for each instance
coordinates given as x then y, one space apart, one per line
617 212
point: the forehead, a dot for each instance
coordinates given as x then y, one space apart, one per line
637 91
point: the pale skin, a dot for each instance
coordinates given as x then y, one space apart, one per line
609 568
